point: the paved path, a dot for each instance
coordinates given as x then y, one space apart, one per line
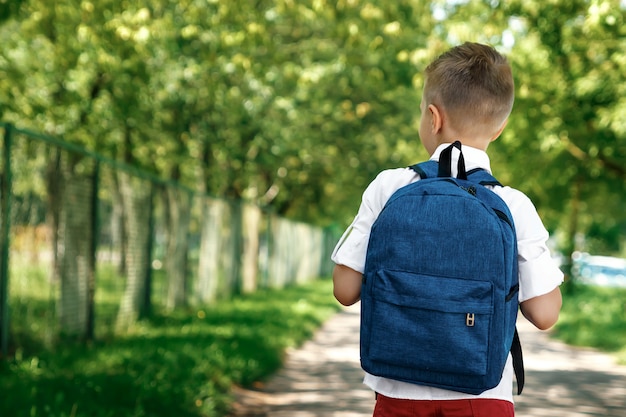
323 379
562 381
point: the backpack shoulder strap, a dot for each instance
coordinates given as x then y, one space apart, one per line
426 169
518 362
430 169
443 168
482 177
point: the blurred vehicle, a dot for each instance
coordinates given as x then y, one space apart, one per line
604 271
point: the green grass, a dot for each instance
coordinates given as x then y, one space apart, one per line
179 365
184 364
594 317
33 300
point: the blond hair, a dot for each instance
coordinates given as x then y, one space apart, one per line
473 83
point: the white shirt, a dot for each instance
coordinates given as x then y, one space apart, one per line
538 273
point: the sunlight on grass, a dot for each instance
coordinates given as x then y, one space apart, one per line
181 364
594 317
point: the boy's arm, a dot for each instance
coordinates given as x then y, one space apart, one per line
346 285
543 311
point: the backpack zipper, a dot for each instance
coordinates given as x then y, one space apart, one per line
504 217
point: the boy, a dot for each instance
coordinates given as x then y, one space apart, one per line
468 96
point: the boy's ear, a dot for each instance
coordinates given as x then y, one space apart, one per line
499 132
436 118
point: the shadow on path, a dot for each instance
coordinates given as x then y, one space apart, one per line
562 381
324 378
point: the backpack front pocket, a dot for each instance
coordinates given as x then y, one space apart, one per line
435 324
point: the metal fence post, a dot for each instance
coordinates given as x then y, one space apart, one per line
147 294
4 245
95 234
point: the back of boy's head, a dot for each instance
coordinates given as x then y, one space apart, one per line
473 83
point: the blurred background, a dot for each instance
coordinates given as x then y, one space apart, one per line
161 156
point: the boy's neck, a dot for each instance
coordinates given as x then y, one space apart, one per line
480 144
448 134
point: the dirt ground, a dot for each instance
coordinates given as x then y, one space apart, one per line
323 379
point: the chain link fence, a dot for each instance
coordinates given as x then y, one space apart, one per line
88 245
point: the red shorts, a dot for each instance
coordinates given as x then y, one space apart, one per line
479 407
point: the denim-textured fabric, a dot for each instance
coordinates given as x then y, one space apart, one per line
439 297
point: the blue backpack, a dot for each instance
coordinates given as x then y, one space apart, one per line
439 298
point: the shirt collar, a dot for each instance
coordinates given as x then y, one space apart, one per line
474 158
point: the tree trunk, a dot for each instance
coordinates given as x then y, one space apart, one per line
136 198
295 252
279 268
308 256
572 233
76 253
177 215
250 258
210 248
118 226
54 183
232 254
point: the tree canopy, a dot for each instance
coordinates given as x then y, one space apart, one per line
296 105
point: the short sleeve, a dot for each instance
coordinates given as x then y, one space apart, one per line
538 272
352 247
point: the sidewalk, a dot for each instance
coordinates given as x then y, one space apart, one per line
323 378
562 381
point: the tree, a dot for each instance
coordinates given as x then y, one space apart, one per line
566 137
571 68
295 106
